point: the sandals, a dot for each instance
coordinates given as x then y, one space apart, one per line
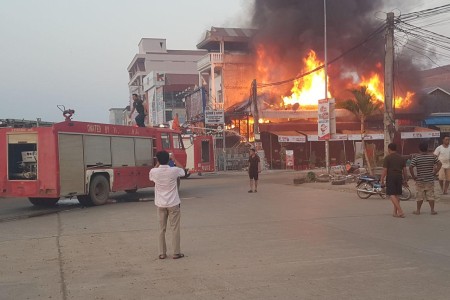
250 191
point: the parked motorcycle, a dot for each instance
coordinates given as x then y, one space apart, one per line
369 185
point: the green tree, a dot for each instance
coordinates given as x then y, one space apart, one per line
362 106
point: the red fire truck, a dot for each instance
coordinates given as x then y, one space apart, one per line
79 159
200 154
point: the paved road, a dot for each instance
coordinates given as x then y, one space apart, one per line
285 242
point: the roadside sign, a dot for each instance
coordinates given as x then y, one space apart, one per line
326 119
214 117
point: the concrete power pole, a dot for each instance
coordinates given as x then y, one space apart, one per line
389 127
327 142
254 94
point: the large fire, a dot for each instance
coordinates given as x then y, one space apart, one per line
376 88
307 90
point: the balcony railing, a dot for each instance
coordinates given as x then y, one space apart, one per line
209 59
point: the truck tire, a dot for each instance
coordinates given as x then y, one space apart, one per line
99 190
43 202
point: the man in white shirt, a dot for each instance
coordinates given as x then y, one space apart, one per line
443 154
167 201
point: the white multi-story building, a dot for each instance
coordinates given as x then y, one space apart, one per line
157 75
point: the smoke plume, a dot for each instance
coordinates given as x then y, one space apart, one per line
291 28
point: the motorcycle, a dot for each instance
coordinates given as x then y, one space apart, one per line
369 185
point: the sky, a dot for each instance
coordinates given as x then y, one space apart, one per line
76 52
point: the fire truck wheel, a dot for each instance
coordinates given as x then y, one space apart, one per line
99 190
43 201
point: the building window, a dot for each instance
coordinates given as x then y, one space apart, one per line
177 141
165 140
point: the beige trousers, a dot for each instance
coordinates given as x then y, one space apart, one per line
172 214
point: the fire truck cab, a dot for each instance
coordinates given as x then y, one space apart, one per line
79 159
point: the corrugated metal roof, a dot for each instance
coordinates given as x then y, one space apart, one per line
217 34
431 90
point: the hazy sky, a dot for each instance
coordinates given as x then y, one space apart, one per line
76 52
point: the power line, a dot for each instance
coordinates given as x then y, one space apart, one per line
426 13
370 36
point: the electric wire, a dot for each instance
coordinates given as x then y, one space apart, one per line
369 37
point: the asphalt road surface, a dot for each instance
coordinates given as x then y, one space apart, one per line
284 242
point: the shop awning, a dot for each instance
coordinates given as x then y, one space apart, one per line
289 136
438 120
420 133
370 135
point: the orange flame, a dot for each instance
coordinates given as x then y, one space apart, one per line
309 89
376 88
264 63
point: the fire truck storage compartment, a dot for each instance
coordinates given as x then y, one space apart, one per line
143 151
78 152
71 166
22 156
97 150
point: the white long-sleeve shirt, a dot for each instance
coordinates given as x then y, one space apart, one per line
165 179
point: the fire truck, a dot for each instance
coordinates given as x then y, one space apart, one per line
80 159
200 154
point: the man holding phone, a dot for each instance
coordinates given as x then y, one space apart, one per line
167 201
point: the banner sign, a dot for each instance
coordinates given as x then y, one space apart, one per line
367 137
289 158
291 139
334 137
420 135
326 121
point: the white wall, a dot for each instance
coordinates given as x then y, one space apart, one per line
169 63
152 45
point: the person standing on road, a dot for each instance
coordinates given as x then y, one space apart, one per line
167 201
427 166
138 105
254 168
394 171
443 154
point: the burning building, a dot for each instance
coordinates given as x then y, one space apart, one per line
288 52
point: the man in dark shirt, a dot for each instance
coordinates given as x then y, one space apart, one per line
254 169
427 166
138 105
394 170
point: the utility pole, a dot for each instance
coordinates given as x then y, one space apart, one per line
389 127
255 109
327 142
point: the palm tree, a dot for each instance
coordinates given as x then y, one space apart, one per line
362 106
